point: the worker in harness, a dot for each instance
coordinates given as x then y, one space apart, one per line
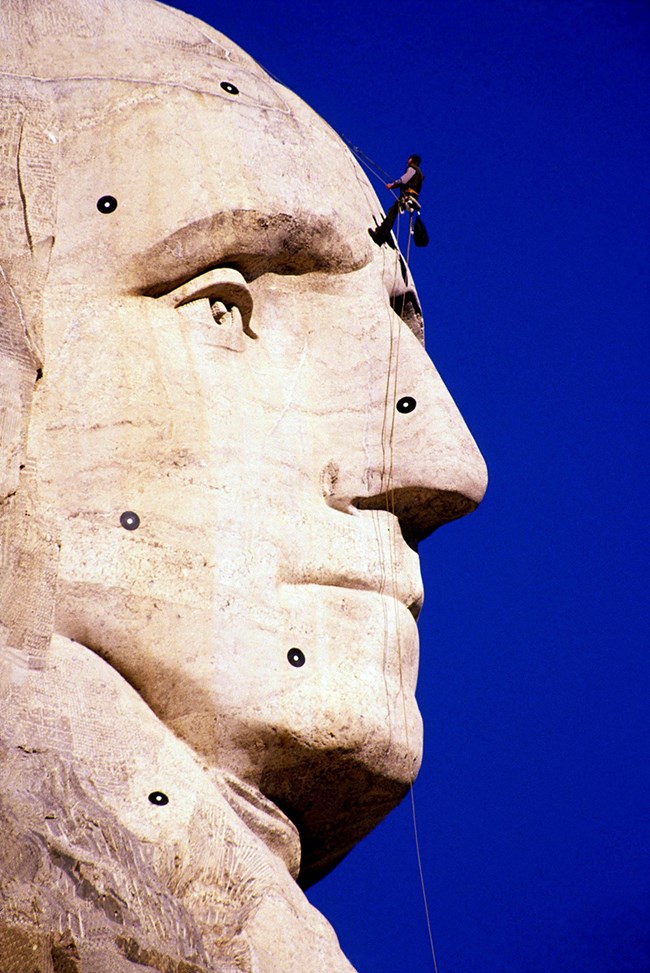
409 184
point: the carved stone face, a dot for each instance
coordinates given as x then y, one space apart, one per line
229 357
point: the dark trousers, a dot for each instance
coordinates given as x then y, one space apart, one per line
382 232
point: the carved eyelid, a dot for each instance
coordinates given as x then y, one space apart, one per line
222 284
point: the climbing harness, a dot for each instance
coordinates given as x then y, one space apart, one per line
407 199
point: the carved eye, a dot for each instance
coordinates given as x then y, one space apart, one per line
224 294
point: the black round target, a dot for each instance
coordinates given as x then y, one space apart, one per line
107 204
296 657
232 89
129 520
406 404
158 798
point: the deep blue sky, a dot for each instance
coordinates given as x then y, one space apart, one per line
533 121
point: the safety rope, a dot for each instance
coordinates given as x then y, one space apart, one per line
390 403
365 159
368 164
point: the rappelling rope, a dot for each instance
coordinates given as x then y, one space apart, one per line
387 487
411 791
361 156
382 175
387 444
364 159
387 438
368 164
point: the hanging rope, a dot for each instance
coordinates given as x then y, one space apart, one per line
365 159
387 487
388 438
380 174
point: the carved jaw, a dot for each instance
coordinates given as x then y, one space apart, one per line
137 851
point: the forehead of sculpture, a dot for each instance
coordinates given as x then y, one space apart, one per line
194 182
37 37
147 100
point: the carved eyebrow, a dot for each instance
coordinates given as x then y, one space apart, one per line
251 242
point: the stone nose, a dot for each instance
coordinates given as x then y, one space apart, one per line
423 464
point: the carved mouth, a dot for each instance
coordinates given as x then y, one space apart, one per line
375 560
386 588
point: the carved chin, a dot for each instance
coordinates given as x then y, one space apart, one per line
336 797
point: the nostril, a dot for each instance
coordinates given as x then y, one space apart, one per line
415 608
420 510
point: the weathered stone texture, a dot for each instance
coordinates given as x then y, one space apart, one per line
210 502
